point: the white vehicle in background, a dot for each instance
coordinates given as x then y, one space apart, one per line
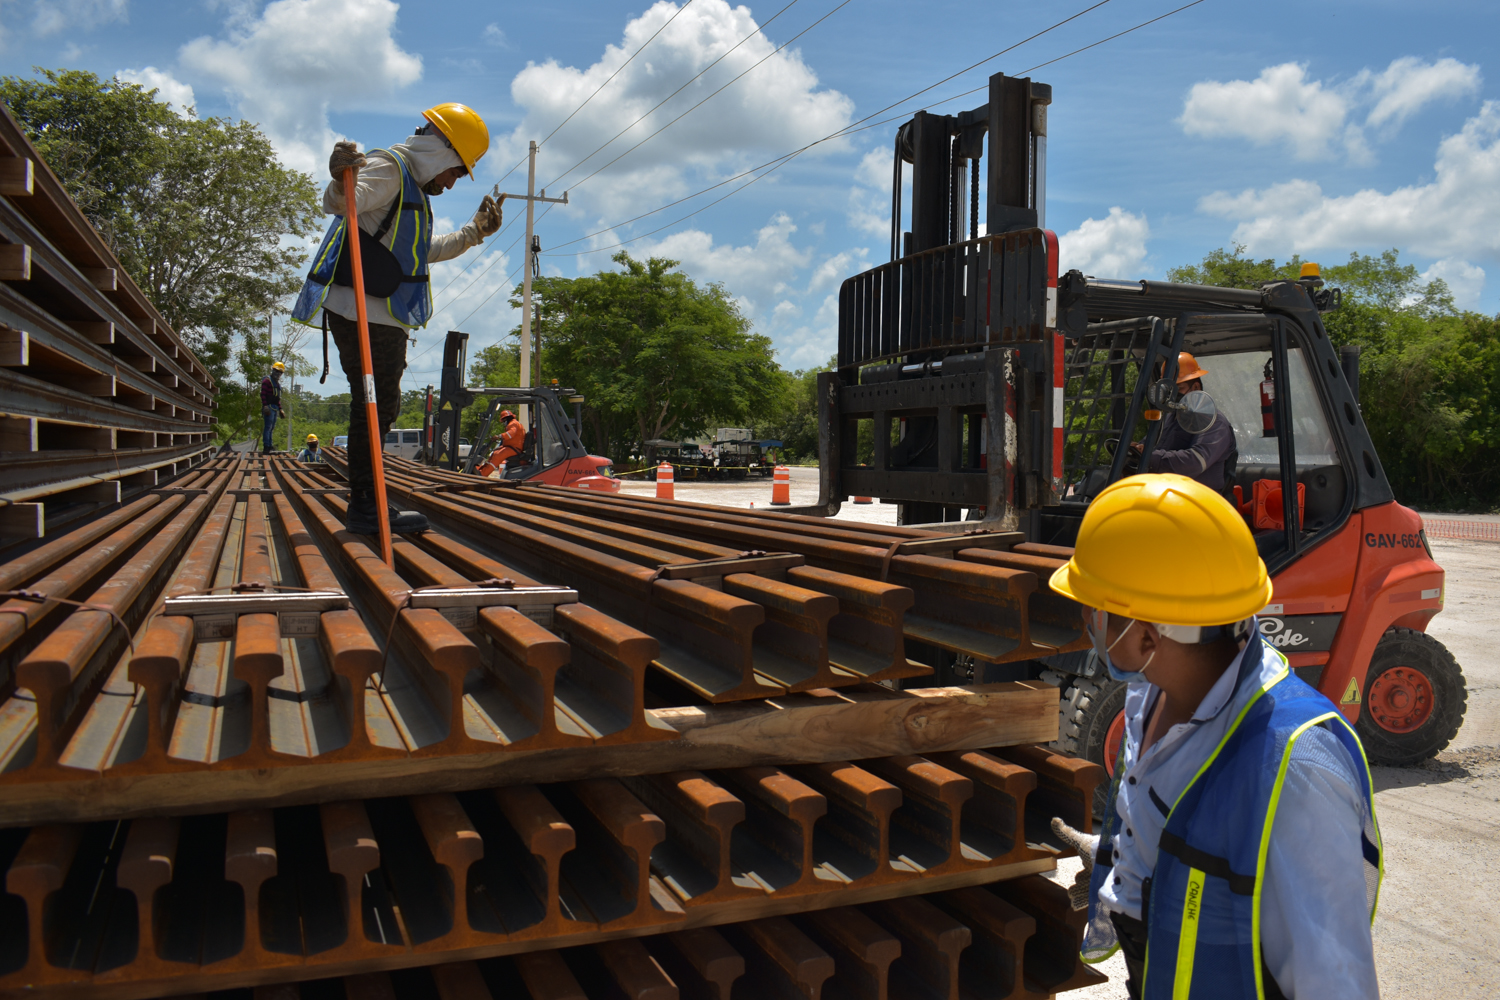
404 442
341 441
464 447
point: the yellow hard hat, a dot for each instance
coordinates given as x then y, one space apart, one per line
312 439
1165 549
278 366
464 130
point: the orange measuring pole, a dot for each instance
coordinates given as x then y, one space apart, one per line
366 366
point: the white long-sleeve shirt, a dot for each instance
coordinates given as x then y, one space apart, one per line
1315 919
378 184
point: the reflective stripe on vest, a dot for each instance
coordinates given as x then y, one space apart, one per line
411 303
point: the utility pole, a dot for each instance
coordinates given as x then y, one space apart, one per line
532 198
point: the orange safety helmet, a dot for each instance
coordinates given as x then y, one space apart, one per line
507 415
1187 368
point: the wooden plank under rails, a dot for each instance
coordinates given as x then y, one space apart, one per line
17 176
66 437
15 347
15 262
106 279
101 333
20 522
18 434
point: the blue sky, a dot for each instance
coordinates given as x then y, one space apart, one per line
1314 128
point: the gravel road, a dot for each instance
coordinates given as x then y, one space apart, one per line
1437 933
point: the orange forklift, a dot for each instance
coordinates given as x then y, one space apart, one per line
976 384
552 451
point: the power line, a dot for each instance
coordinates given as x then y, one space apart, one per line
616 73
857 126
664 100
848 129
565 121
716 93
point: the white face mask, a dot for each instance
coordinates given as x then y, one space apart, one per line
1098 629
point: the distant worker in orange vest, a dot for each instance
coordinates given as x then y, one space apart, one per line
512 437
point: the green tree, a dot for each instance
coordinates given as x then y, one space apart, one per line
197 211
654 354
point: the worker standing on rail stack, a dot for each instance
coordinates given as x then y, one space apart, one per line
1209 456
270 405
1240 842
392 194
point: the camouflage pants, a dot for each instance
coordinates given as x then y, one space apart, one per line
388 362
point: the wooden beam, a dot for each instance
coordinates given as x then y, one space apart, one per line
15 348
15 262
21 522
18 433
17 176
812 727
102 333
106 279
105 492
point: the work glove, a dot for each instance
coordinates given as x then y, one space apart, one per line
487 219
344 156
1086 845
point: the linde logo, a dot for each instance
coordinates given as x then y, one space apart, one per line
1277 634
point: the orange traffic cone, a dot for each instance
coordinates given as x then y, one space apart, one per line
781 487
864 499
664 482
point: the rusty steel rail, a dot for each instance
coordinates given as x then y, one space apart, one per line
987 600
734 636
260 895
90 729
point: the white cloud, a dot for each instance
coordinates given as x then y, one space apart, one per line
1281 105
1111 247
301 59
759 273
778 106
1464 280
1316 118
493 35
870 197
169 90
1456 215
1408 83
53 16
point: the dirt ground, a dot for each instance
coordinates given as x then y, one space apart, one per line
1437 932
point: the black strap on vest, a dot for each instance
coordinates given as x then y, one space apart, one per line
325 348
1156 801
1207 863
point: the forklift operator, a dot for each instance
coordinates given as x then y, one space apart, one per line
1239 841
512 439
1204 457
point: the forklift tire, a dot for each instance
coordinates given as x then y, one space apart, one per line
1414 699
1088 708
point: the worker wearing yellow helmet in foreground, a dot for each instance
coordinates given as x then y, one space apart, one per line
396 246
311 452
1240 844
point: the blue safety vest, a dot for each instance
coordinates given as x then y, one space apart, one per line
410 237
1202 906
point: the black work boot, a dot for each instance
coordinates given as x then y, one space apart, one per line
361 519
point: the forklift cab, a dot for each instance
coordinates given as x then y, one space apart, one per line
1301 459
552 451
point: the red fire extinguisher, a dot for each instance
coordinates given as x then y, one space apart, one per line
1268 402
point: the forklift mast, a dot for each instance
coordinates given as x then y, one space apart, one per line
943 399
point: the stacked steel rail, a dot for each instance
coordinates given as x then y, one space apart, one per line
421 769
99 397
